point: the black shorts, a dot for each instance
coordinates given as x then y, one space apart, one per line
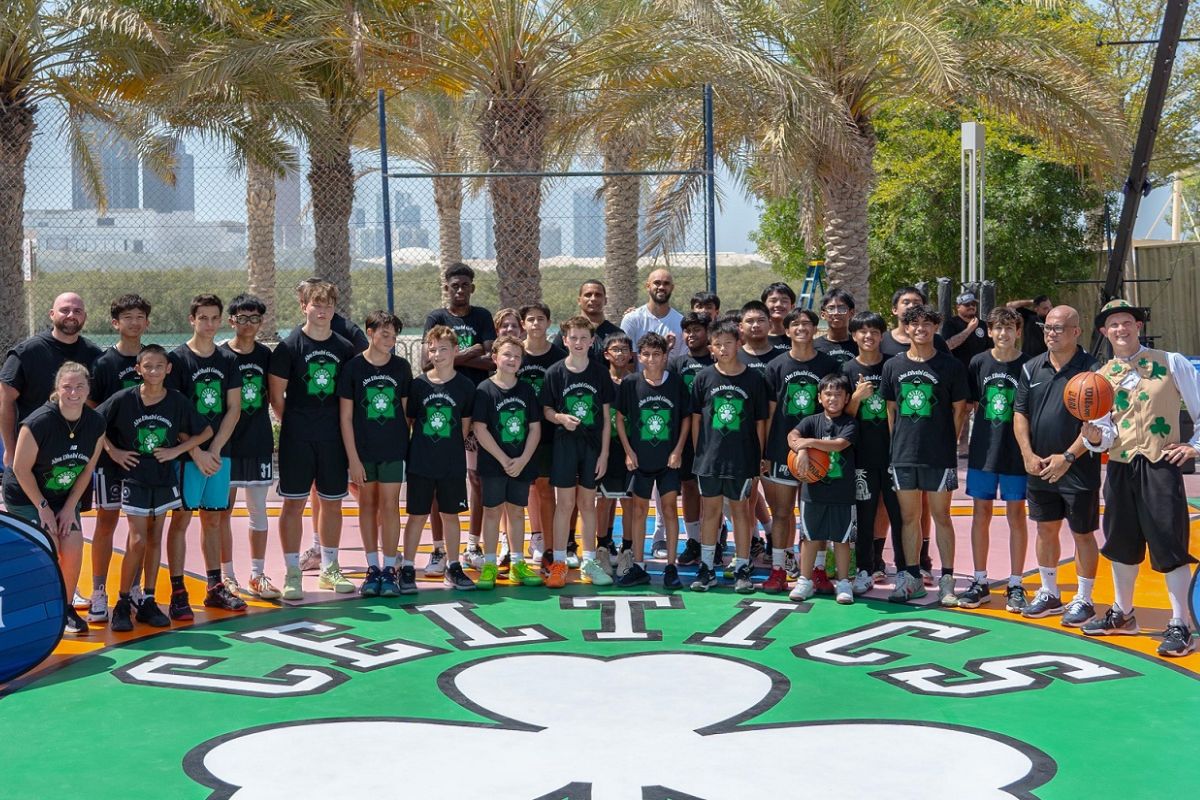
779 473
451 494
542 458
734 489
107 482
825 522
1081 510
499 489
1145 507
573 463
302 464
139 500
924 479
251 471
615 483
641 484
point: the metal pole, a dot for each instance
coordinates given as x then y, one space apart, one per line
387 206
710 188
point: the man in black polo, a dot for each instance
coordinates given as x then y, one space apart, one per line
1064 477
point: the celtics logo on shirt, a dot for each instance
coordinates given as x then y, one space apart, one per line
801 399
916 399
438 419
150 438
873 409
998 403
512 426
656 424
134 381
321 378
466 338
688 379
582 406
535 380
380 403
727 413
208 397
837 466
62 478
252 393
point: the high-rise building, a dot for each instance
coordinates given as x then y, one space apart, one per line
118 164
467 237
289 233
551 240
588 223
158 195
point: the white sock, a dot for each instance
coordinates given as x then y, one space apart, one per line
439 547
517 555
1049 579
560 555
1014 580
489 558
1178 581
292 560
472 540
1084 592
981 576
692 528
589 555
257 566
373 558
227 569
708 552
738 562
328 556
316 540
1124 576
777 556
404 562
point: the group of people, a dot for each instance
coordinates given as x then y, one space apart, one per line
702 411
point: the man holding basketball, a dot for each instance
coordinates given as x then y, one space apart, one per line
1145 505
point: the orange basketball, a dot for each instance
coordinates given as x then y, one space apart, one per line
818 465
1088 396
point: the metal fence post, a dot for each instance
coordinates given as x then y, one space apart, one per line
710 189
387 209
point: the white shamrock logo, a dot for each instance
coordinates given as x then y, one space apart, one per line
513 425
380 402
208 397
321 378
698 738
249 392
999 403
65 478
655 424
915 399
437 420
725 413
875 403
580 409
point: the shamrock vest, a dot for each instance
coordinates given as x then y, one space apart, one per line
1146 411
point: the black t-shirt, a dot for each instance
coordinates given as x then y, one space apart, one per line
436 412
533 368
509 415
475 328
888 346
580 394
1052 429
689 366
838 486
204 380
380 425
596 352
653 416
793 387
311 367
840 352
873 449
60 458
1033 341
758 363
978 342
111 373
252 438
353 334
133 425
728 406
780 342
32 364
924 393
993 384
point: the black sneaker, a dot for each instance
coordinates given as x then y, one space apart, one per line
74 625
457 579
408 580
634 576
149 613
744 579
1077 613
505 563
1015 601
370 585
690 554
180 607
706 578
1177 641
671 577
1044 605
387 582
976 594
1114 623
122 619
219 596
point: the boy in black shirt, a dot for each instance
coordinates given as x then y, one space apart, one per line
114 370
653 423
507 418
729 430
149 426
756 351
837 307
373 391
614 486
303 388
540 355
896 340
577 398
688 365
994 462
926 392
779 299
828 511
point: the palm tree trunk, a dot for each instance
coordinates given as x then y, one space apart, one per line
448 197
331 182
16 137
845 188
260 241
512 132
622 204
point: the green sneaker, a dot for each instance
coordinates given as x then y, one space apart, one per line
523 575
487 577
293 586
332 578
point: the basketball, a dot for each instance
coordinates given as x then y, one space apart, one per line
818 465
1088 396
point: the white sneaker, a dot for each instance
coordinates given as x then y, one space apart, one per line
310 559
863 583
843 592
593 572
474 557
436 567
573 560
604 561
946 595
232 585
98 606
624 562
537 546
136 596
803 589
80 603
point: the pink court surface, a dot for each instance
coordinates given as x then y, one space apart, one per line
979 703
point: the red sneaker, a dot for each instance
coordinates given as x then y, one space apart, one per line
821 581
776 582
